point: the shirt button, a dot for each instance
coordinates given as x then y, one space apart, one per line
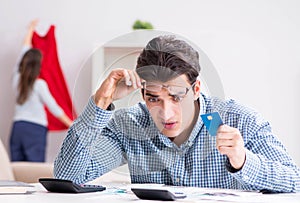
177 180
246 177
180 153
91 117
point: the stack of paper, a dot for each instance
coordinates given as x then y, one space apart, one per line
15 187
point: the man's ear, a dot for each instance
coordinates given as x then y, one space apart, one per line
197 89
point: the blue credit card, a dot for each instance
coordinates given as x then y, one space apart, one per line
212 122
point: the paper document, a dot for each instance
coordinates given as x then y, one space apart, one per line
15 187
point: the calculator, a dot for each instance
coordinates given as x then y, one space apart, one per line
157 194
68 186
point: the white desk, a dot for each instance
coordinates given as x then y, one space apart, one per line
121 193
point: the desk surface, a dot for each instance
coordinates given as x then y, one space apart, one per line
121 193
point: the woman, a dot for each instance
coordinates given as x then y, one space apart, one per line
29 131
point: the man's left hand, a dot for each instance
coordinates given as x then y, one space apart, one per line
231 143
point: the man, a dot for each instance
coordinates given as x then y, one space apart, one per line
163 140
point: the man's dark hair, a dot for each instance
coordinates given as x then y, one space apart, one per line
165 58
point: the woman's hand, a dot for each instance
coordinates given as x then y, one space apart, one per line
31 28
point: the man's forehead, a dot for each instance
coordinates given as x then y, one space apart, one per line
179 81
156 73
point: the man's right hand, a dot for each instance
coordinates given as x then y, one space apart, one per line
118 84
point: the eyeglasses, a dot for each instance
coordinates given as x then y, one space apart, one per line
172 89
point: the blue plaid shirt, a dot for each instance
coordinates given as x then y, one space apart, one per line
102 140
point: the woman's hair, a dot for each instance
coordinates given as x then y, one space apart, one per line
166 57
29 69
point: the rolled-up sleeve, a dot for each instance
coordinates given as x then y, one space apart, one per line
75 160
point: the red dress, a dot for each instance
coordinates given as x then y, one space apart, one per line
51 72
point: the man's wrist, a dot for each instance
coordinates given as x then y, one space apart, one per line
102 103
230 168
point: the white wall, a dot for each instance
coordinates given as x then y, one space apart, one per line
254 45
